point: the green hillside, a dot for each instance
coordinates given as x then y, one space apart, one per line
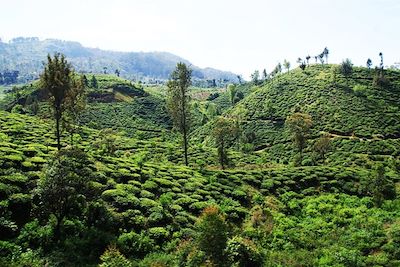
359 117
134 203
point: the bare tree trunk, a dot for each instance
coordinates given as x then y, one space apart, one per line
58 129
185 146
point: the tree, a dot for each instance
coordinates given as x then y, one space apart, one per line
265 75
302 63
321 58
255 76
224 132
279 68
62 191
239 79
369 63
322 146
178 102
93 82
346 68
232 90
380 187
286 64
212 234
105 70
308 58
326 53
57 79
85 81
299 125
117 72
381 56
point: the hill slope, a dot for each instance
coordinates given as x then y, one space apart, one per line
296 216
141 198
359 116
27 54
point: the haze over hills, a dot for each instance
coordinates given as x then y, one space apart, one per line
27 55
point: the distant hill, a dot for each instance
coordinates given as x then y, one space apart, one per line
27 55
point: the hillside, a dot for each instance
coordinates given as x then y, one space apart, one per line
27 55
140 206
359 117
156 203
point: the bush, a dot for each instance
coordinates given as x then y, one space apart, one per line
159 234
243 252
113 258
135 245
35 236
360 90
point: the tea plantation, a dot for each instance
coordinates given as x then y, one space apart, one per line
127 199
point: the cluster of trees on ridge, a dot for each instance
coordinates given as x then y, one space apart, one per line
346 65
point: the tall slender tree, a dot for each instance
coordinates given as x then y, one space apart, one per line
286 64
57 80
308 58
94 83
264 75
326 53
232 90
381 56
178 102
369 63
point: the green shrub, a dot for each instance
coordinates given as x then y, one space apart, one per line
113 258
150 185
243 252
35 236
159 234
360 90
135 245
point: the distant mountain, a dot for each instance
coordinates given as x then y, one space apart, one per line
27 55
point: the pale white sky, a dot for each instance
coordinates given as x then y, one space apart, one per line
238 36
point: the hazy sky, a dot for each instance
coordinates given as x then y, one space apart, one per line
234 35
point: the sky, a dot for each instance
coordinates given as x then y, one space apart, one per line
238 36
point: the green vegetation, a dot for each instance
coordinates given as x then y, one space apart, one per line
118 193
